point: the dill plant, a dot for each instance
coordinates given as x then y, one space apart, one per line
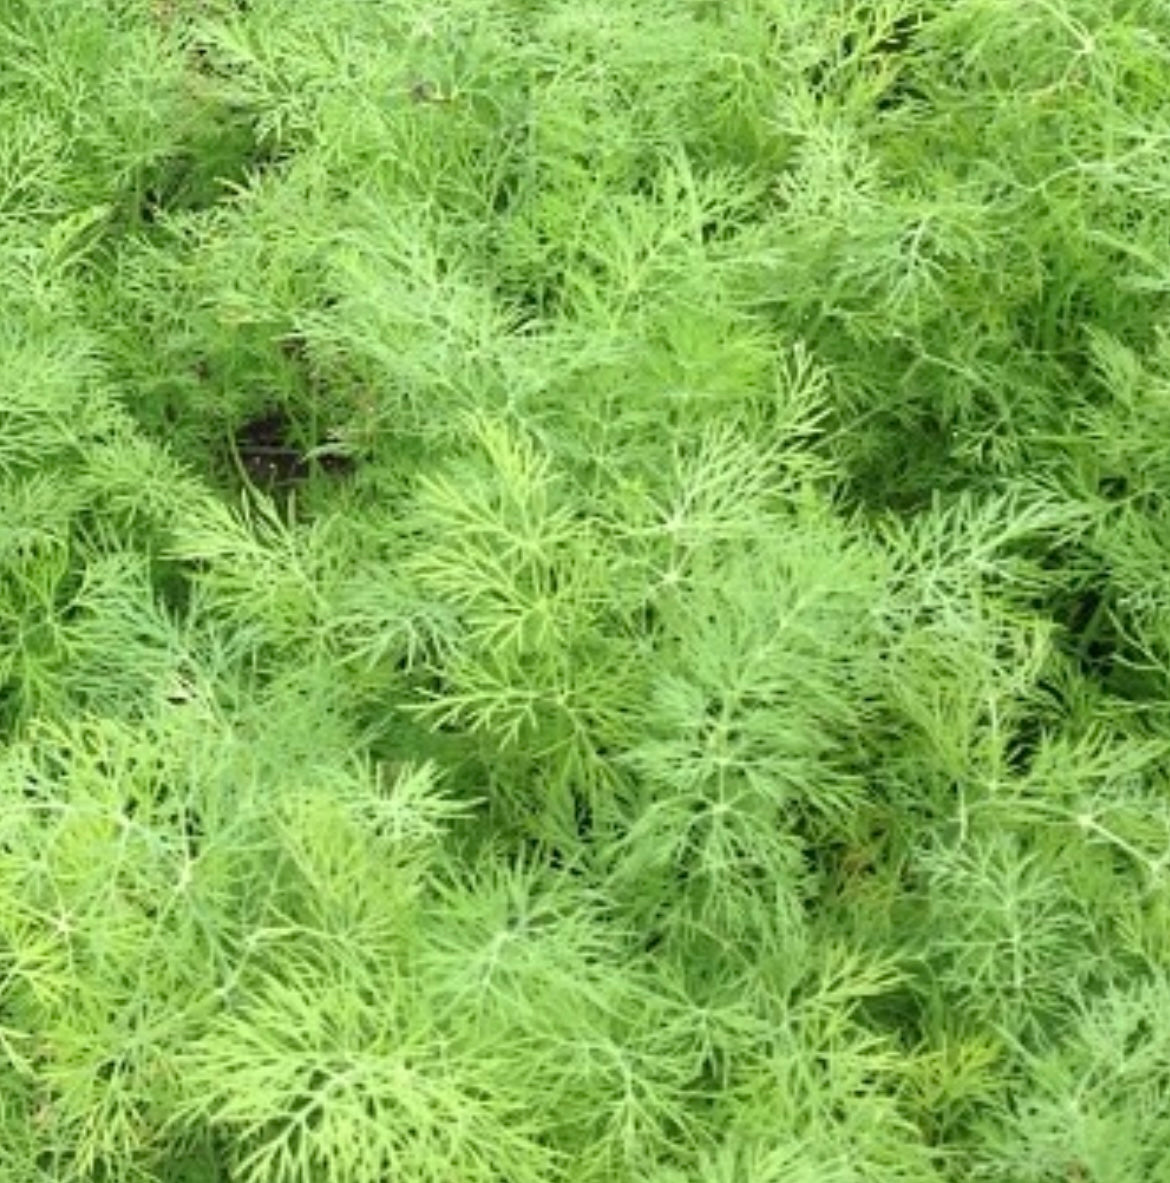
582 591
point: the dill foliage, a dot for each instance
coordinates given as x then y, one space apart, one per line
583 591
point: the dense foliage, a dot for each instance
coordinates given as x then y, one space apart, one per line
583 591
